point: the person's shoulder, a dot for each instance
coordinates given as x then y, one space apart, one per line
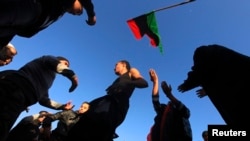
134 72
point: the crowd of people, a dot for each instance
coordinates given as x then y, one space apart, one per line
222 73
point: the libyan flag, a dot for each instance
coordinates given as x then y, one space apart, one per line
146 24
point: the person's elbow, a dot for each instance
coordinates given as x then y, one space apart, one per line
143 83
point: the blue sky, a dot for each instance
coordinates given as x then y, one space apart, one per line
93 52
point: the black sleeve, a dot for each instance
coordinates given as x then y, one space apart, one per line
156 103
88 5
68 73
4 41
139 83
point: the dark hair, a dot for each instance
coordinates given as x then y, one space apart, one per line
85 102
43 113
204 133
127 64
62 58
67 3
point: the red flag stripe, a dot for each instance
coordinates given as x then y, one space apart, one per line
135 29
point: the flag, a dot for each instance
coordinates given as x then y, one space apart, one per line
146 24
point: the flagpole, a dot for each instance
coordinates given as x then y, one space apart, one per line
171 6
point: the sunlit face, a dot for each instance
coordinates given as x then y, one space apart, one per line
84 107
41 118
76 8
66 63
119 68
9 54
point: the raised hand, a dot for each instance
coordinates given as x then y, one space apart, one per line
201 93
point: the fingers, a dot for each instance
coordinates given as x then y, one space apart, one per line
153 75
181 89
165 87
201 93
91 21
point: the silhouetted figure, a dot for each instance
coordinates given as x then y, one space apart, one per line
224 75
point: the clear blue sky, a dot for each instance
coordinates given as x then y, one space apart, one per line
93 52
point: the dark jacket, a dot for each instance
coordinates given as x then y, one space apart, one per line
67 119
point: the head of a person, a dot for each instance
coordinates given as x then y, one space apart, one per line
73 7
122 67
205 135
84 107
63 60
42 115
7 54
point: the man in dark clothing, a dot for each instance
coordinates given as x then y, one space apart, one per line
224 75
171 122
106 113
28 128
26 18
28 85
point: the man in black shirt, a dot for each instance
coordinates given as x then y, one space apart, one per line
28 85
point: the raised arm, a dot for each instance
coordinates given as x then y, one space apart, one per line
138 80
167 89
154 79
155 90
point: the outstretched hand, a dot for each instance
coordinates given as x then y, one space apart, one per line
69 106
201 93
167 89
91 20
181 88
153 75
